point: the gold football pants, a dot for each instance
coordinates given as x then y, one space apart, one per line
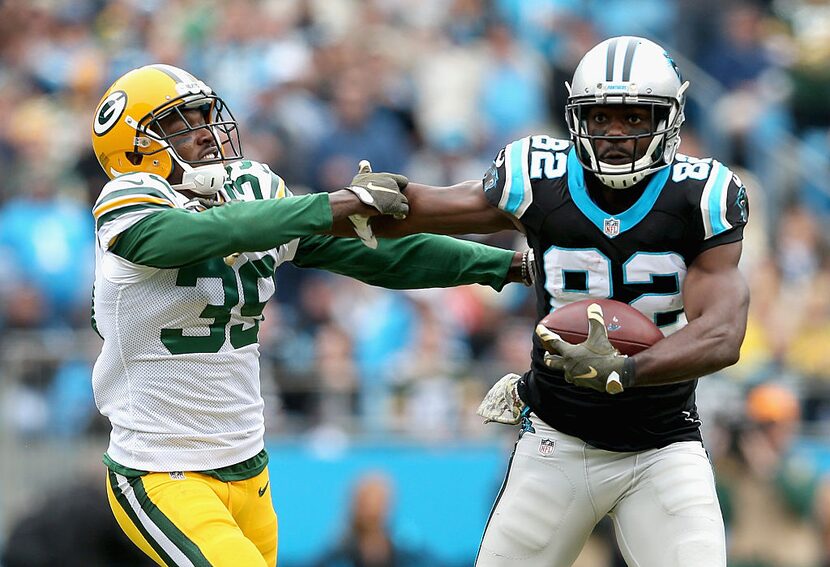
194 520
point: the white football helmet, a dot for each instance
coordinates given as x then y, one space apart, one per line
632 71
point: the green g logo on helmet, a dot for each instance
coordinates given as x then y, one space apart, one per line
109 112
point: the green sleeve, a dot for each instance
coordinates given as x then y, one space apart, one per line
413 262
175 237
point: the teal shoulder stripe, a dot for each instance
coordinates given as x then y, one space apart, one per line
717 200
115 213
131 514
518 174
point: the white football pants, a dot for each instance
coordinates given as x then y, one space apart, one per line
662 502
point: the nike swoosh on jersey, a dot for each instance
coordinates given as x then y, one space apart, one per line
262 490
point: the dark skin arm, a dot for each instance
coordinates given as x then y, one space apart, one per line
716 300
459 209
344 204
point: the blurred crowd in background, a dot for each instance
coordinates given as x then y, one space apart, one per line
431 89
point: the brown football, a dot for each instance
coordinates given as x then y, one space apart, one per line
628 330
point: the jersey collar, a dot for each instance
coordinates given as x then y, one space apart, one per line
612 225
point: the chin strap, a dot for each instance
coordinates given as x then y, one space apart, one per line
203 180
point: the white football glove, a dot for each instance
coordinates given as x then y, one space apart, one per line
502 403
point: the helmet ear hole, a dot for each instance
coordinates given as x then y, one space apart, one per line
134 158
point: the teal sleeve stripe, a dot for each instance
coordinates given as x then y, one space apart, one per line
115 213
413 262
518 172
717 201
174 237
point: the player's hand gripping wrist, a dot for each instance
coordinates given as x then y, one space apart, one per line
594 363
381 191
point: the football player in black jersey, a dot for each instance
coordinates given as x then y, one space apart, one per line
614 212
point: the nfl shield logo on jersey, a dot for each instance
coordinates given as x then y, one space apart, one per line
546 447
611 227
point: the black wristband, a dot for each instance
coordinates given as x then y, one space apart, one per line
629 370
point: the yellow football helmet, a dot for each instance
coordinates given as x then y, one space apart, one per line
127 136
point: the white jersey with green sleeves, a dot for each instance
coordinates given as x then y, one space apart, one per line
178 373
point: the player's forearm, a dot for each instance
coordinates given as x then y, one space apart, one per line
458 209
694 351
345 203
176 237
707 344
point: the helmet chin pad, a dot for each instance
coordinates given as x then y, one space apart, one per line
203 180
620 181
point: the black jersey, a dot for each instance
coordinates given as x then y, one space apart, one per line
639 257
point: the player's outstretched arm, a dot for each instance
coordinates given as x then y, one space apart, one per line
716 300
174 237
412 262
381 191
458 209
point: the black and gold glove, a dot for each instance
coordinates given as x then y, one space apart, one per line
380 190
593 363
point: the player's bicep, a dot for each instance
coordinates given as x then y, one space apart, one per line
458 209
715 290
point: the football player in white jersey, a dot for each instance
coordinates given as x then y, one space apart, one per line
189 235
614 212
